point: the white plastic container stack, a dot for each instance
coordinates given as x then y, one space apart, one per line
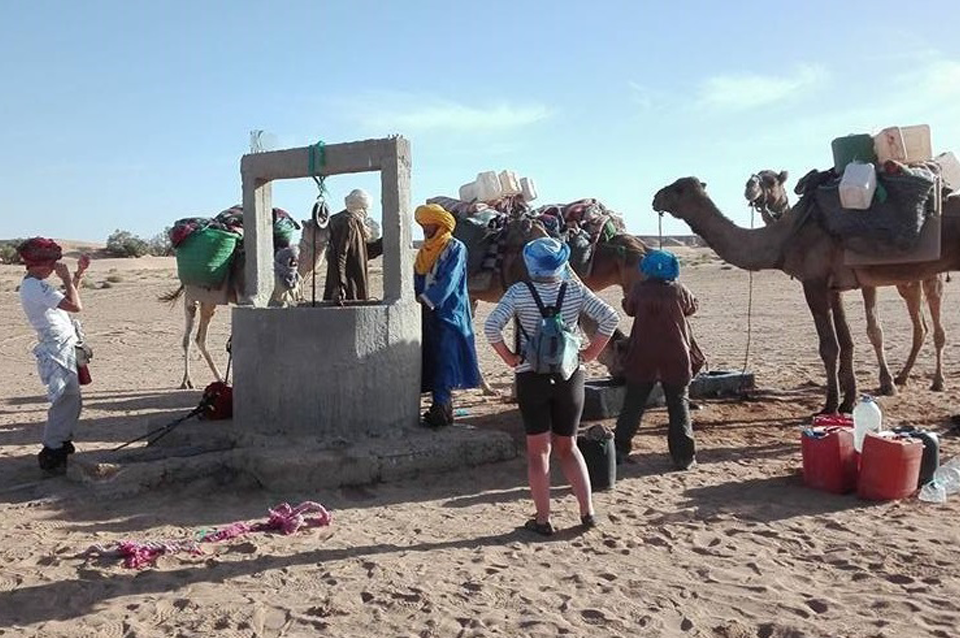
528 189
904 144
488 186
468 192
857 186
509 184
949 170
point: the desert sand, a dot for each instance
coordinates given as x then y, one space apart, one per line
736 548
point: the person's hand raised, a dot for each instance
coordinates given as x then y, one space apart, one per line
82 264
62 270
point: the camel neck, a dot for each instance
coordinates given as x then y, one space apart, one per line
750 249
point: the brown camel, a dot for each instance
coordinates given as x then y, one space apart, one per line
798 246
766 193
206 300
615 262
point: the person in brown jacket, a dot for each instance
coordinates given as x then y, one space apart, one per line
659 350
349 250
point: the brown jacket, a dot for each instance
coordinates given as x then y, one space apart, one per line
660 339
347 257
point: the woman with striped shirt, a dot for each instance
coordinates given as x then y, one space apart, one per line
550 406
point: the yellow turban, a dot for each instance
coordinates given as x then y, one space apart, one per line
433 215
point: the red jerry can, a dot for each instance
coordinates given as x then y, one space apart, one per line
889 466
829 460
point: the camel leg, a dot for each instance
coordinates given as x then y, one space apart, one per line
913 296
848 380
206 315
875 334
190 315
484 385
818 300
933 289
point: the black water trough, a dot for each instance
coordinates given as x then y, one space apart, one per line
604 397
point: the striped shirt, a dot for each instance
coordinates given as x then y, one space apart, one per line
518 302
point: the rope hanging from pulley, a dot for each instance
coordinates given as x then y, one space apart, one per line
320 213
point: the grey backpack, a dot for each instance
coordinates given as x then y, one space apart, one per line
553 348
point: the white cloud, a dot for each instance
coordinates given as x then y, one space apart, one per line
647 98
940 79
746 91
412 113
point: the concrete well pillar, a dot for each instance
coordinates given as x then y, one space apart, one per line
328 372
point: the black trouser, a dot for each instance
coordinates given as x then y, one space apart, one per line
679 432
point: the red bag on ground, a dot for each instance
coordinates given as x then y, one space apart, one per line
217 401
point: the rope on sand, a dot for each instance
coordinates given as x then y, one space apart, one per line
283 518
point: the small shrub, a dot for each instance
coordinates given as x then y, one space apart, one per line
114 279
123 243
160 245
106 284
86 284
8 251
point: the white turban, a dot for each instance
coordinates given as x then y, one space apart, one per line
357 200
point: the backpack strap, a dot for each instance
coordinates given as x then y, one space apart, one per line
536 298
559 305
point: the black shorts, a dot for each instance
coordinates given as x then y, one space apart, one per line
548 404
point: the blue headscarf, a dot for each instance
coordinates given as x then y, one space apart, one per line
660 264
545 257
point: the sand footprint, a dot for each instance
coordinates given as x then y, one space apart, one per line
593 617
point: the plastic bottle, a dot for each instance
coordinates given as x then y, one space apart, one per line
946 481
867 417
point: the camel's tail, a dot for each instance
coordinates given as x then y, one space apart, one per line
171 296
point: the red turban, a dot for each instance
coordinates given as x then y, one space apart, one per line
39 250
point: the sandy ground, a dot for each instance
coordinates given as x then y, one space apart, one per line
738 547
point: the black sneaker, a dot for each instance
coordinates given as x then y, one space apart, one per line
52 460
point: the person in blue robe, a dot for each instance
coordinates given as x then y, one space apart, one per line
449 356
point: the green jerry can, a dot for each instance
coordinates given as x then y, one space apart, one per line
853 148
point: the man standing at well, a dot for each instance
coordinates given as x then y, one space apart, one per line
440 282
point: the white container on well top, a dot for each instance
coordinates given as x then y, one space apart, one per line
857 186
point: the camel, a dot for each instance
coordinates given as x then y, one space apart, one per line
797 245
309 257
766 193
615 262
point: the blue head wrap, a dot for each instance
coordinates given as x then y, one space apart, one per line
660 264
545 257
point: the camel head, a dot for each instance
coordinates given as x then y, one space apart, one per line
766 193
675 197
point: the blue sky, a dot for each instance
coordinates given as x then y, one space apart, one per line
133 114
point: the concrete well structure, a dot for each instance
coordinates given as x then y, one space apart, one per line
328 372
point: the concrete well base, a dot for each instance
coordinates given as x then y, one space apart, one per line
197 450
328 371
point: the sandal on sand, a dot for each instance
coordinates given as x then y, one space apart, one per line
588 521
544 529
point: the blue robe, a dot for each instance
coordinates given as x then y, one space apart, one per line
449 354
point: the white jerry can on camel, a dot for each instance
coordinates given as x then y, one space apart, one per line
528 189
949 170
468 192
509 184
904 144
488 186
857 186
